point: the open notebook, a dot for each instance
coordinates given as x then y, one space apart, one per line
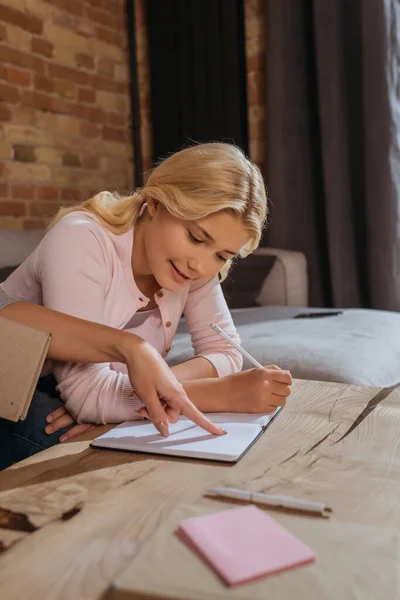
187 439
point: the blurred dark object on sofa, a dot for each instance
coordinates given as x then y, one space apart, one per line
245 280
6 272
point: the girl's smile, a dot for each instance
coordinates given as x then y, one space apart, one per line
178 275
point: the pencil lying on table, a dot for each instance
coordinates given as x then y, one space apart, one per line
278 501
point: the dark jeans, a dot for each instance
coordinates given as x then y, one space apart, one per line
25 438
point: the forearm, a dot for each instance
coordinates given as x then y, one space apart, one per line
207 391
195 368
73 340
210 395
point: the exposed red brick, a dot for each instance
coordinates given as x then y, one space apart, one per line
64 19
67 89
102 17
48 192
18 77
117 120
5 113
16 57
42 209
70 159
99 3
90 130
256 62
43 102
73 6
101 83
84 60
86 95
9 93
122 87
43 83
105 66
97 115
85 27
71 195
70 91
12 209
111 37
111 133
90 162
42 46
22 191
75 75
24 153
21 19
255 88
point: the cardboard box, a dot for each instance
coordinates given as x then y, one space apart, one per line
23 351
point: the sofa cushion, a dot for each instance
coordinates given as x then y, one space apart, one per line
17 245
245 280
359 346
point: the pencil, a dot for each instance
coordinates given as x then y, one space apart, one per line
235 345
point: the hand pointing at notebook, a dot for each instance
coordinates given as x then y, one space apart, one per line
163 396
259 390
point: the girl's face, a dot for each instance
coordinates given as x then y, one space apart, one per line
179 251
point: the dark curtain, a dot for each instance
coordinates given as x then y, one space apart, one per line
197 73
333 132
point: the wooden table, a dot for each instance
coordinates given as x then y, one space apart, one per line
88 518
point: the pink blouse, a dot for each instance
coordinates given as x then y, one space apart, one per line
82 269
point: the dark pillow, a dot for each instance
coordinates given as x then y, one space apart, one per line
245 280
6 272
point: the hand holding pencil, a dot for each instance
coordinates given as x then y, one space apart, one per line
260 390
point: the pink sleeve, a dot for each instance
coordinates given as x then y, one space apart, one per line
71 265
205 305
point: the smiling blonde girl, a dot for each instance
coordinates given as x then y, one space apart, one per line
137 262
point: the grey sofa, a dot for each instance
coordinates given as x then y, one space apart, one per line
357 346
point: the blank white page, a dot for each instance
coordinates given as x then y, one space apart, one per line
185 439
228 417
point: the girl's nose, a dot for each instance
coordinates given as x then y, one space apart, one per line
198 268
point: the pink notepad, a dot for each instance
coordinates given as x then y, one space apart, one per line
244 543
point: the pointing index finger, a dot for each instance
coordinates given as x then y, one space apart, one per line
188 409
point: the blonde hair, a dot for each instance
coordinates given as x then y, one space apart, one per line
191 184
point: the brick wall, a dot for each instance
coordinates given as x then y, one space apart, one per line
143 75
64 102
255 64
65 108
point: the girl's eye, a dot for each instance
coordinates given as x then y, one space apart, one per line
193 239
221 258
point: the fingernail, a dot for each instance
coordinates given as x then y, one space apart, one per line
49 419
49 429
63 438
163 429
224 432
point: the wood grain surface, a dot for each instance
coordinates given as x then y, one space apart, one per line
82 523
